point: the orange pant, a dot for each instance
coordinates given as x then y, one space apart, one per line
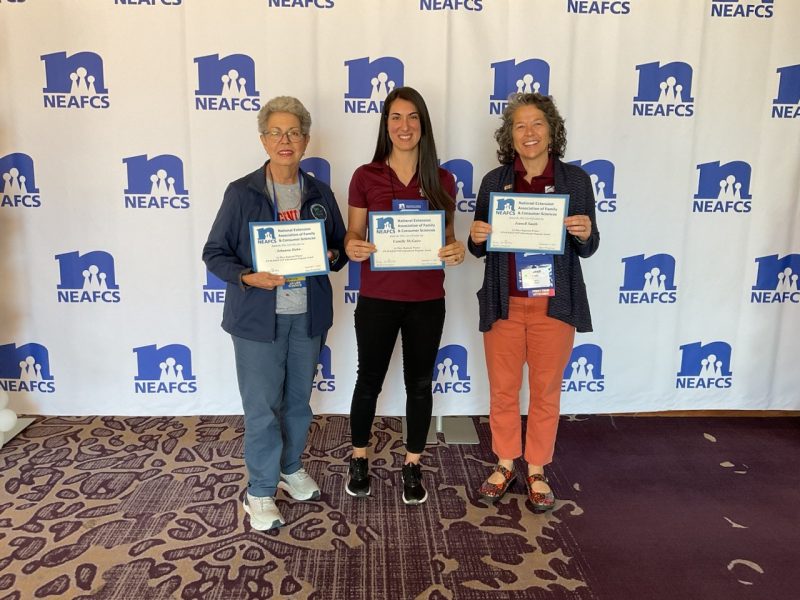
528 335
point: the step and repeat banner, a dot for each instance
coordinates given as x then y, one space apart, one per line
122 121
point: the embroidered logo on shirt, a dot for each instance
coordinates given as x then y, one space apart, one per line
318 212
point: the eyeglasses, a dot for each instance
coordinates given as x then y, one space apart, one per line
276 135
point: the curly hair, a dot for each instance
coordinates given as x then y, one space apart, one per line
558 133
287 104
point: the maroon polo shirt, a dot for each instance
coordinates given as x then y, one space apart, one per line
373 187
536 186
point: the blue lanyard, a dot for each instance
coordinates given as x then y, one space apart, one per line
275 192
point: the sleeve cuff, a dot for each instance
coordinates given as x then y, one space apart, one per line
242 285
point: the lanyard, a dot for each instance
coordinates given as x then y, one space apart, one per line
275 191
391 182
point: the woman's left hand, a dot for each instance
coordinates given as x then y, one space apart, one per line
580 226
453 253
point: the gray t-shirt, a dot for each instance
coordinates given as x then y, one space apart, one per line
291 298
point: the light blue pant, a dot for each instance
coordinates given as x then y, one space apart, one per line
275 381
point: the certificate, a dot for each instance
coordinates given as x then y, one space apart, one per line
289 248
406 240
527 222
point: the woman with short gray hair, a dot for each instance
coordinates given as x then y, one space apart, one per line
277 323
284 104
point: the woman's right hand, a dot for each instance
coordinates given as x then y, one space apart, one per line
359 250
479 231
263 280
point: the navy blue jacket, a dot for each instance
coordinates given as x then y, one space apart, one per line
249 312
570 304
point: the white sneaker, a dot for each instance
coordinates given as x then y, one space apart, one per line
299 485
264 514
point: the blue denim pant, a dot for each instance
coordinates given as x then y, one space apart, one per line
275 381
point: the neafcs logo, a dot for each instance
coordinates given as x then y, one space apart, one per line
601 173
26 369
317 167
74 81
599 7
648 280
723 187
227 83
213 289
156 182
300 4
776 280
385 225
464 174
528 77
664 91
19 183
266 235
786 104
761 9
353 284
471 5
87 278
706 366
368 83
164 370
450 374
324 379
584 371
148 2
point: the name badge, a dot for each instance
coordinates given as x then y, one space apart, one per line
409 205
534 271
295 283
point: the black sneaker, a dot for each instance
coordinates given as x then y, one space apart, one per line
359 478
413 492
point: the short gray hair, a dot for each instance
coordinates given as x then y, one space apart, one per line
287 104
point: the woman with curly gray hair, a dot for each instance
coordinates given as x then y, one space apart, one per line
521 324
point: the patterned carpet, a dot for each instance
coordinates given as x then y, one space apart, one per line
150 508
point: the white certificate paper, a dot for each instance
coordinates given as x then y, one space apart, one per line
289 248
527 222
406 240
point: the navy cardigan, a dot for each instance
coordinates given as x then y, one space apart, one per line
249 312
570 303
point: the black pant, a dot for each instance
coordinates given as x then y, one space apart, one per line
377 325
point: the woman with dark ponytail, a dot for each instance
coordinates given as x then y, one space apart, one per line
409 302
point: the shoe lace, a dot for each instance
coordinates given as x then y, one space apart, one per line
412 475
264 502
359 468
301 475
